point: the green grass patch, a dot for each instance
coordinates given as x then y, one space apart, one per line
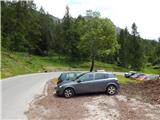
151 70
124 80
21 63
15 63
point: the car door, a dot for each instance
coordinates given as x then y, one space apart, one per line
85 83
100 82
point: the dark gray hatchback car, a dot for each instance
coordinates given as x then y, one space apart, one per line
90 82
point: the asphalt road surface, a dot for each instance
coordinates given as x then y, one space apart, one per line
19 91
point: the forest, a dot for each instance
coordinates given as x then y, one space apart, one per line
90 37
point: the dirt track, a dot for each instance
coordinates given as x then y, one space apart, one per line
92 107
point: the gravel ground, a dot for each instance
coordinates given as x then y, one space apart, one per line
124 106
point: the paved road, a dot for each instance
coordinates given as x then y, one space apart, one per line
18 92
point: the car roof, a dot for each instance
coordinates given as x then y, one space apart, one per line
102 72
71 72
87 72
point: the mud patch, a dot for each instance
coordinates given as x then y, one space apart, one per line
148 91
128 105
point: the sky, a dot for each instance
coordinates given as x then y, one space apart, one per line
145 13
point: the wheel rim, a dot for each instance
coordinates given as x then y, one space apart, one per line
111 90
68 93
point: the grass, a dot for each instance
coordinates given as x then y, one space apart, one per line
151 69
124 80
22 63
54 80
105 66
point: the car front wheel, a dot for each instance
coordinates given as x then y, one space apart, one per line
111 90
68 93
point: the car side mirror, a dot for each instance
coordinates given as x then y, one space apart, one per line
78 81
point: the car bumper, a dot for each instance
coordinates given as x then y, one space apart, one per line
58 91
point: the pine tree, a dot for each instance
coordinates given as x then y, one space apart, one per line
137 55
70 35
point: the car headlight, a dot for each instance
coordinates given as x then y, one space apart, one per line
60 86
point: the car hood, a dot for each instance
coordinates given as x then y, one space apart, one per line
66 82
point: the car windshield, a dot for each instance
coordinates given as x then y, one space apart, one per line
80 75
73 76
77 74
69 76
62 77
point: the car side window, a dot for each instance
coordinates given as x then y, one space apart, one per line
106 75
99 76
111 76
86 77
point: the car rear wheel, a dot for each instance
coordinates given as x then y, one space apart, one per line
69 92
111 90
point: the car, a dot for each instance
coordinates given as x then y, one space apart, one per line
90 82
136 75
68 76
129 74
141 77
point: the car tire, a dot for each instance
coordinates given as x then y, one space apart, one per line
68 93
111 90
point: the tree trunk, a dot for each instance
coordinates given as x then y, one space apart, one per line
92 65
59 57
